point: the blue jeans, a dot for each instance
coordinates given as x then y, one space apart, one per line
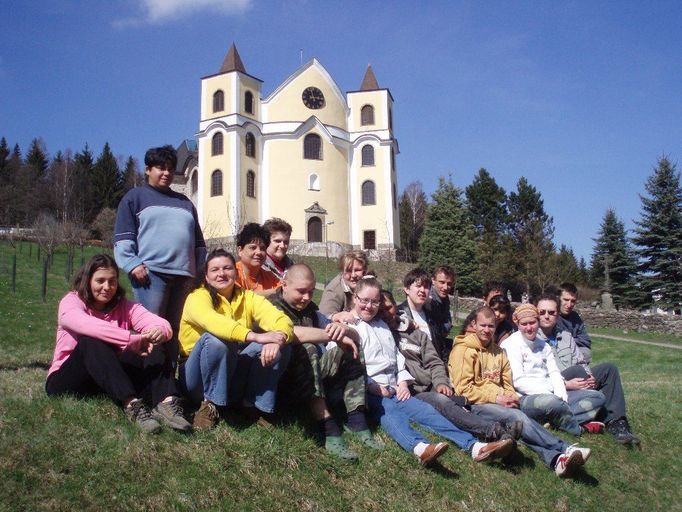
229 372
546 445
395 417
165 296
550 408
585 404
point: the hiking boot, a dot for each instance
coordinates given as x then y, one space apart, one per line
593 427
584 452
620 430
206 417
137 412
367 439
566 464
432 452
482 452
514 429
170 413
336 446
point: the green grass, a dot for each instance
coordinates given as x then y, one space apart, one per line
656 337
63 454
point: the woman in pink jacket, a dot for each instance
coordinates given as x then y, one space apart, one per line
108 344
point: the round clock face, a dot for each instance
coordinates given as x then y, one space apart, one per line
313 98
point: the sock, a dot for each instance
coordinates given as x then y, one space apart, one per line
357 422
419 449
476 448
329 427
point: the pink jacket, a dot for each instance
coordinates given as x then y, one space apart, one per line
75 319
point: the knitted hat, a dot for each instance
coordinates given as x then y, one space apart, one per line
524 311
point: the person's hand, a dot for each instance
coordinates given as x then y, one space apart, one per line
577 383
403 392
142 346
336 331
345 317
155 336
348 344
510 402
269 353
265 338
140 274
444 390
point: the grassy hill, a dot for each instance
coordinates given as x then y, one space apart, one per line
83 454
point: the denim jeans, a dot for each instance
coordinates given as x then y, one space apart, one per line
546 445
395 417
165 296
461 417
585 404
229 372
550 408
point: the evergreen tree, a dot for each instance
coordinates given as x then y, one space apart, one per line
83 207
36 159
449 237
612 249
658 236
412 210
487 206
106 180
4 160
131 176
531 230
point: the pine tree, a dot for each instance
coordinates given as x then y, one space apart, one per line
131 176
412 209
37 160
658 236
612 249
487 206
531 230
4 160
83 206
449 237
106 180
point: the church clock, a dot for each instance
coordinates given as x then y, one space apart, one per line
313 98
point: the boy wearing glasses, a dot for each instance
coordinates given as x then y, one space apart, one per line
579 377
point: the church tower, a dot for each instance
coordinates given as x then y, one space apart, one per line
373 179
229 148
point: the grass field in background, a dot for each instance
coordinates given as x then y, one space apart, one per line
64 454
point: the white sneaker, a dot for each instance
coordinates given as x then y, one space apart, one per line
584 452
567 464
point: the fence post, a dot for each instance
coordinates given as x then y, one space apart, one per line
44 283
14 272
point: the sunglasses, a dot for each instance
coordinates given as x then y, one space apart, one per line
550 312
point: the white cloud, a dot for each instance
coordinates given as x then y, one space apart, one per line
156 12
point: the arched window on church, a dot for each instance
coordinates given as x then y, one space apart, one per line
367 115
313 182
250 184
217 144
368 193
193 184
312 147
217 183
367 154
314 229
248 102
250 145
218 101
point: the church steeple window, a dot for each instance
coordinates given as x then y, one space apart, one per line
312 147
367 154
367 115
218 101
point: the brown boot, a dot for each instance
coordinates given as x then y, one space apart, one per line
206 417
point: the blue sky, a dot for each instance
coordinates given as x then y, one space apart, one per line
581 98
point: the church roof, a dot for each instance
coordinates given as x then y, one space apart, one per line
232 61
369 82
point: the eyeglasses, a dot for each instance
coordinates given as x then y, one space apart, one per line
543 312
367 302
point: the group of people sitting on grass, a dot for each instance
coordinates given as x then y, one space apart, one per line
245 335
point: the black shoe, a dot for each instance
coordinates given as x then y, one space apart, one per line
620 430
